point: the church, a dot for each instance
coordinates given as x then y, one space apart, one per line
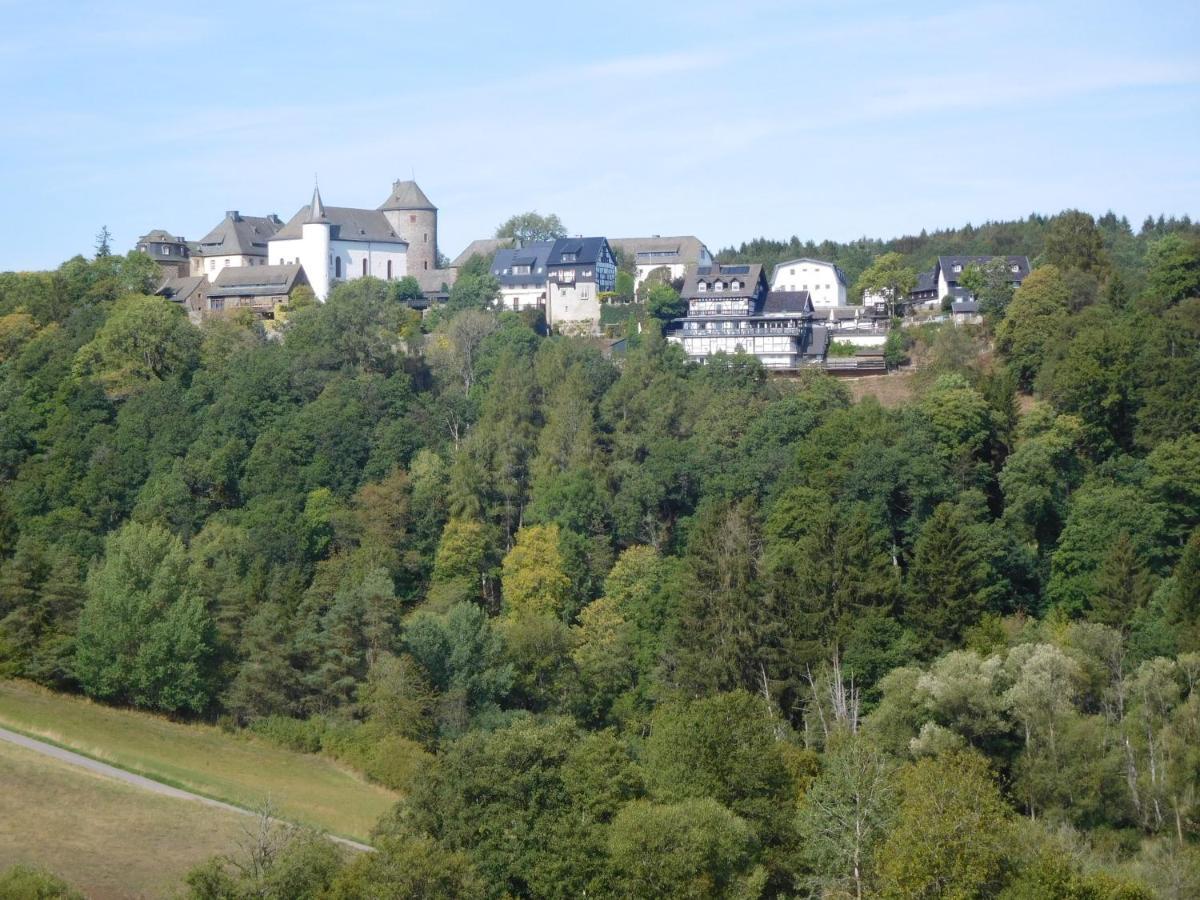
339 243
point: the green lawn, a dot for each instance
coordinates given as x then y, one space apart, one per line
246 772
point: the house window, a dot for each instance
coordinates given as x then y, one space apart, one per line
792 272
166 251
364 275
956 268
337 267
389 270
226 262
425 265
425 238
412 218
737 285
568 257
719 286
212 264
1014 268
702 287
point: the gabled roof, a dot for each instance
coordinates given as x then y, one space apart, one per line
587 251
180 290
485 247
159 236
947 264
926 282
750 277
837 270
964 306
406 195
684 248
535 255
347 224
787 303
252 281
239 235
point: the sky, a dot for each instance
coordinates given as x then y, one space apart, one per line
729 121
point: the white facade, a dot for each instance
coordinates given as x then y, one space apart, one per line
327 262
773 351
523 297
211 266
821 279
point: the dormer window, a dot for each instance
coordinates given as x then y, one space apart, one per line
702 287
568 257
737 285
719 286
520 270
1014 268
956 268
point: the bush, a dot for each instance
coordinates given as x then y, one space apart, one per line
384 757
28 883
300 735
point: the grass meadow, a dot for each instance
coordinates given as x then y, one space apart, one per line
247 772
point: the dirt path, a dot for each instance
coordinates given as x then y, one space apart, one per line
149 784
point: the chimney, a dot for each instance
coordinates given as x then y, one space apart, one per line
233 214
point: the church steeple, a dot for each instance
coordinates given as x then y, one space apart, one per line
316 211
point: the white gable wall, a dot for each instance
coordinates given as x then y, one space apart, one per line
818 278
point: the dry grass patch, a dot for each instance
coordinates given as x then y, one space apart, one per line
891 390
106 838
311 790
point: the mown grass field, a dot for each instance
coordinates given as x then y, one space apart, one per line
108 839
311 790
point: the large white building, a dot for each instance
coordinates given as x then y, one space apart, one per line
825 282
731 309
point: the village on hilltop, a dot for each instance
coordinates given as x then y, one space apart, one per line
789 319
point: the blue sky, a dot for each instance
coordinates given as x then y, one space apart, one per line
726 120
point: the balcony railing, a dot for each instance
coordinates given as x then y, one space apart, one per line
740 332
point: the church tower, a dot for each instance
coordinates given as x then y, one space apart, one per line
414 218
315 247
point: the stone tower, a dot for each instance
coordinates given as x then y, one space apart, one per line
414 218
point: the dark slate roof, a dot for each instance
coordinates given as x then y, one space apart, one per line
239 235
837 270
180 290
159 236
684 248
968 307
485 247
817 342
926 282
947 264
587 250
348 224
406 195
257 281
787 303
751 276
504 260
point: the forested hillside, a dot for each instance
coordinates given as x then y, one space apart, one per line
639 628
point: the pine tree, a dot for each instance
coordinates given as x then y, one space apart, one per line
1122 585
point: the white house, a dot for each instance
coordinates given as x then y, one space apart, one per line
521 272
672 253
825 282
730 309
578 271
236 241
339 243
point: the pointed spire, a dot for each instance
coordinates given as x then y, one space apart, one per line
316 212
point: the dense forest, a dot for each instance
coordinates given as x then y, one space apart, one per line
635 627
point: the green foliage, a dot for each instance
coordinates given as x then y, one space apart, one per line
144 636
695 848
531 226
20 882
888 277
533 579
949 835
145 339
1037 312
